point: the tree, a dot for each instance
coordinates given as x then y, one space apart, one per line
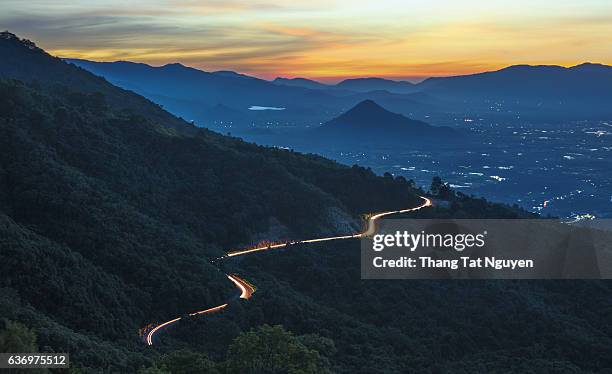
325 346
187 362
153 370
440 188
271 349
15 337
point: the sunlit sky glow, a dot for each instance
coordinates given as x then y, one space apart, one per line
321 39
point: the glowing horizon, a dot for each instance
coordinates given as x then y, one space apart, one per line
322 40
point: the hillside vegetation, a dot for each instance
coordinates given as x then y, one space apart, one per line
109 216
111 210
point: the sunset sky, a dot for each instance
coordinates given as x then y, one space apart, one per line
321 39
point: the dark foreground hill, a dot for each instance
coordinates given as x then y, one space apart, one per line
39 67
109 214
109 217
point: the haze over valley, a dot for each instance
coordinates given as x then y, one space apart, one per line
535 136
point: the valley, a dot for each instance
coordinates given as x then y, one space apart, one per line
557 169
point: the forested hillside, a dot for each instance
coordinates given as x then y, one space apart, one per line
109 217
111 209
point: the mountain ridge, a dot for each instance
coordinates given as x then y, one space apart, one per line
521 91
347 83
301 82
368 121
26 68
367 84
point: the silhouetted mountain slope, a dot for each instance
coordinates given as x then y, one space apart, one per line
109 218
588 80
231 74
369 121
190 93
301 82
377 84
583 90
189 85
592 68
516 92
25 61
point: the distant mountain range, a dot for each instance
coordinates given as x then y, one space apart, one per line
301 82
377 84
518 92
369 122
587 81
516 80
354 84
191 93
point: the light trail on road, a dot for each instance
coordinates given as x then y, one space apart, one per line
370 230
247 290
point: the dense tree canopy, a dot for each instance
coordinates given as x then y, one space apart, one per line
15 337
272 350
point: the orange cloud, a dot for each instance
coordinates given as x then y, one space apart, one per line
322 39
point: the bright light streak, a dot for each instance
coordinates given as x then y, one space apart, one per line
158 327
371 229
211 310
245 288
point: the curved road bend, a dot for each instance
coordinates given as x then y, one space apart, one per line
247 290
370 230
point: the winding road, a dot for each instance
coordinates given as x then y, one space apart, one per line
247 290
